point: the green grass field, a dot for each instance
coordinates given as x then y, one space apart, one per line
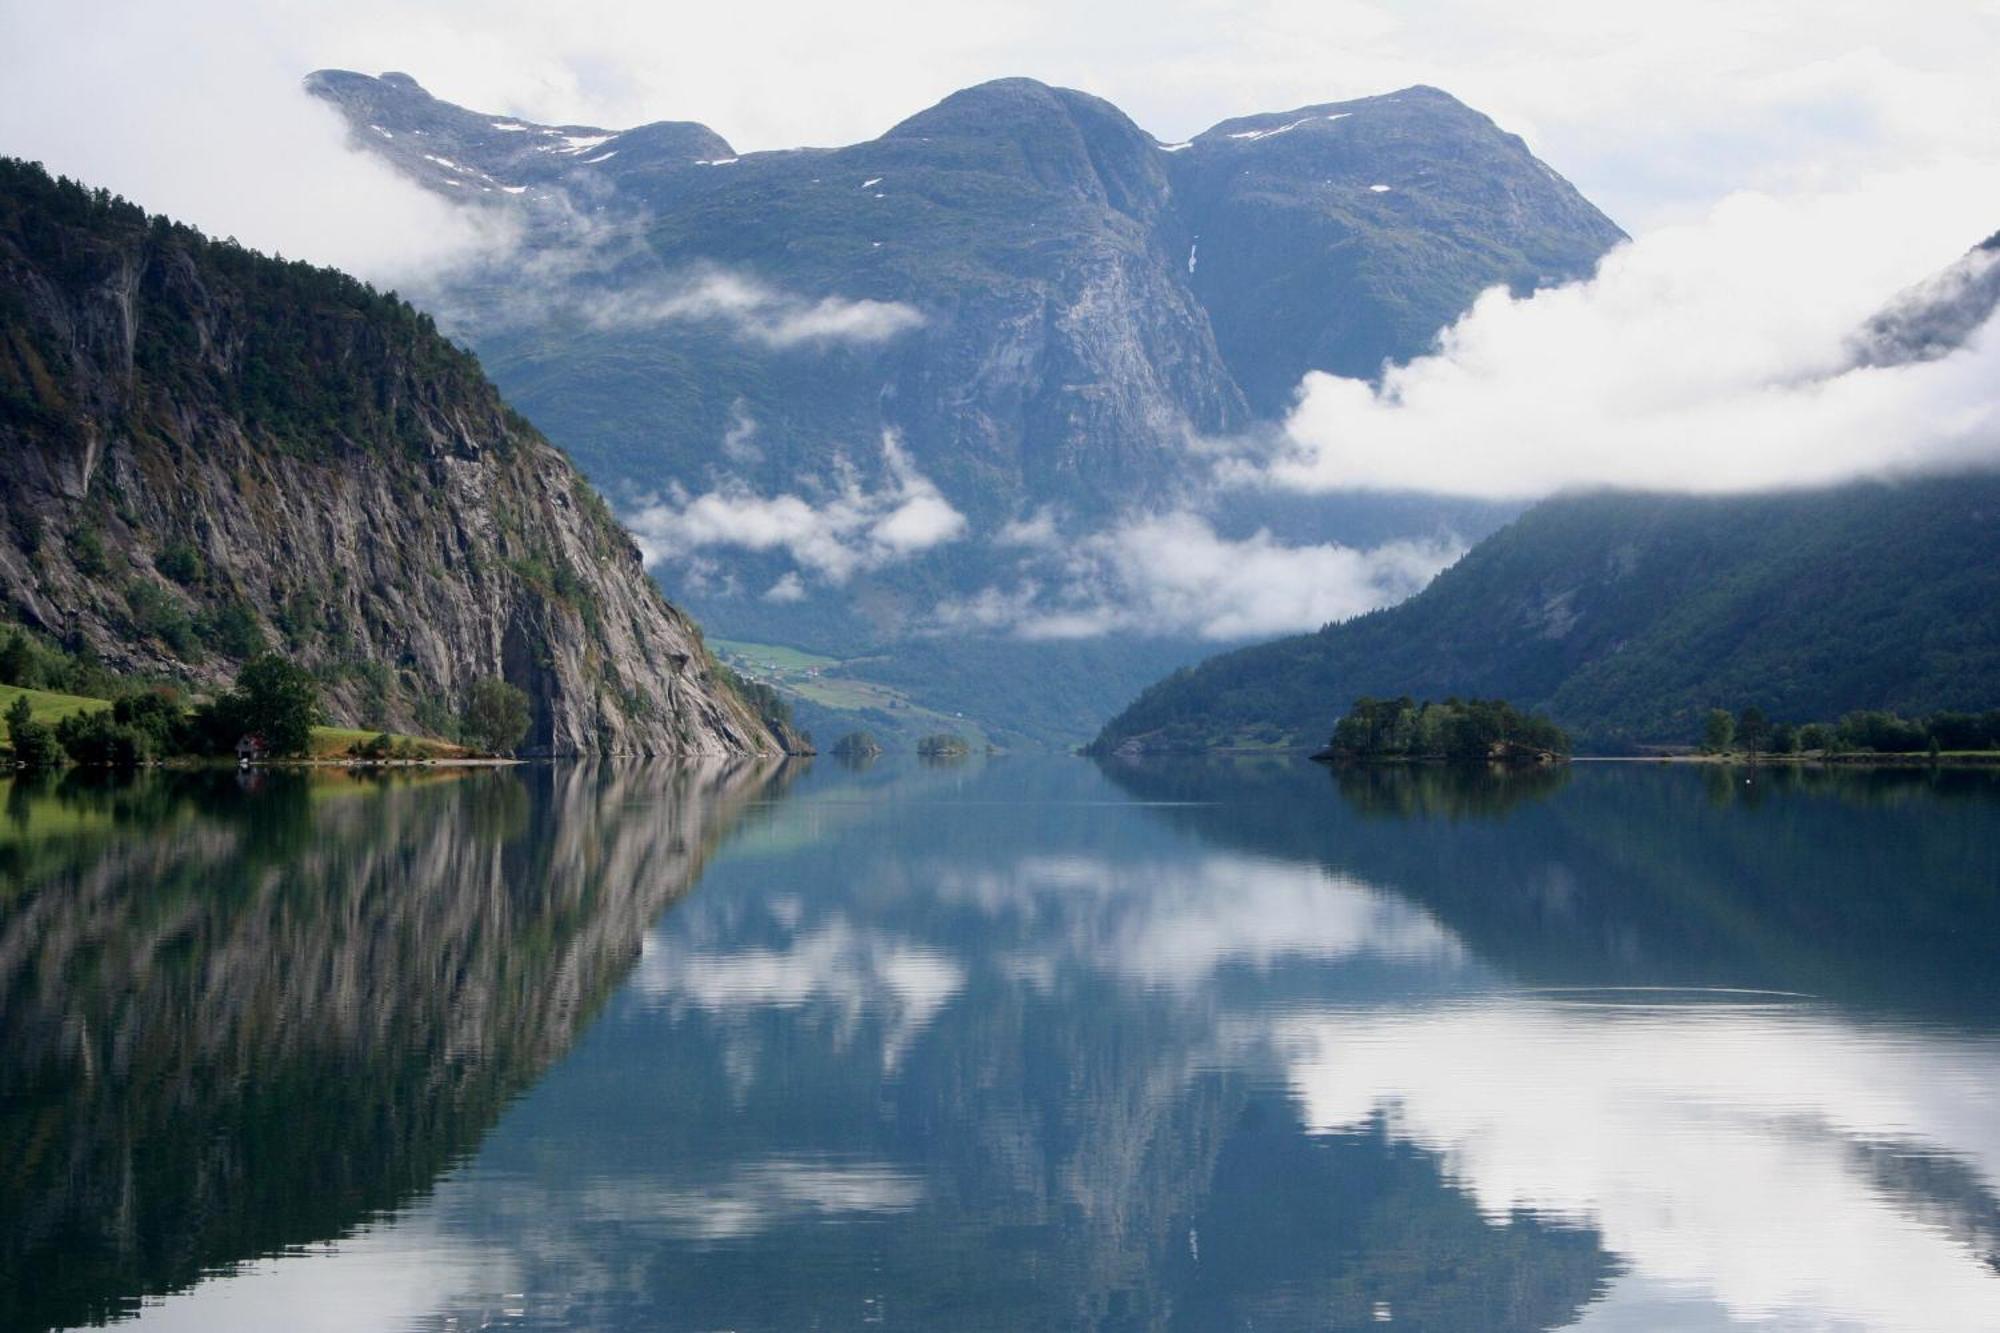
741 654
842 686
335 742
48 707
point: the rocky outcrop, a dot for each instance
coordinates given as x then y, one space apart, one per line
209 452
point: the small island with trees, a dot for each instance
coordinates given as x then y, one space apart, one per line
1456 731
944 745
857 747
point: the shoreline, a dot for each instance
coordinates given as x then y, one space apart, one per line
1947 759
1919 759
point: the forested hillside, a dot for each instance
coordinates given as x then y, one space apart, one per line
1626 617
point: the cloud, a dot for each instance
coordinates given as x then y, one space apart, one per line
197 112
1173 574
739 442
751 310
789 588
852 530
1727 1151
1719 355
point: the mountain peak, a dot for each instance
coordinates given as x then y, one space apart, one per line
1062 138
1000 105
464 154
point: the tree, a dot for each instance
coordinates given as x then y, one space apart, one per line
857 745
1784 739
1753 729
156 716
35 747
277 700
17 661
99 739
1718 731
1467 731
496 716
943 745
234 630
1815 736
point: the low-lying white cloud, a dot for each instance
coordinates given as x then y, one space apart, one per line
752 310
1174 574
1719 355
835 535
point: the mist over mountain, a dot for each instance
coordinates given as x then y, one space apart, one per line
848 396
1628 615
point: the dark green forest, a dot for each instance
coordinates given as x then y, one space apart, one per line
1626 618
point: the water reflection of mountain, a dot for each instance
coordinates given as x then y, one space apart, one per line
1001 1048
1029 1077
1869 888
238 1020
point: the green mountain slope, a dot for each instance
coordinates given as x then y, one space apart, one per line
210 453
1627 616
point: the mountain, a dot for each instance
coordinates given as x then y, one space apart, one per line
1063 300
1626 617
1016 302
210 452
1629 616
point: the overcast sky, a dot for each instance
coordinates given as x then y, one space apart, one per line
1656 110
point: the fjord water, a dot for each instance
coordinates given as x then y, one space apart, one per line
1017 1043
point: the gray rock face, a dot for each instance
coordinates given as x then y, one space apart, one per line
1338 237
1084 309
198 437
1089 299
471 154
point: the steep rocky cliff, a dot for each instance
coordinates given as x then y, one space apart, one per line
209 452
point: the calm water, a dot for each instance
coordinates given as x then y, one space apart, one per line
1018 1044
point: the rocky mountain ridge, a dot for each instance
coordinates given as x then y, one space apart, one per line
211 453
1045 306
